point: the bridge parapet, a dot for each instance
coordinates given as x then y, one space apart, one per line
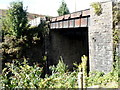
73 20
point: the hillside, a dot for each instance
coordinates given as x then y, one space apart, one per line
31 16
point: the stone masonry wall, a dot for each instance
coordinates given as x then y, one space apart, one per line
100 39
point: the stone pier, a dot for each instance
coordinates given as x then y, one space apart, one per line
101 38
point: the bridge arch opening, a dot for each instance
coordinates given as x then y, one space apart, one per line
70 44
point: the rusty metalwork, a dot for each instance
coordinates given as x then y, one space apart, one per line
73 20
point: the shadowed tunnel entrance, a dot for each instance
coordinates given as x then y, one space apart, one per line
70 44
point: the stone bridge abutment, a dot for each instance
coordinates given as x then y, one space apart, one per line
84 32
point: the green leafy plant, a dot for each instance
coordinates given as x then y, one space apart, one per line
109 80
116 21
60 67
20 75
103 80
15 21
97 8
61 77
16 48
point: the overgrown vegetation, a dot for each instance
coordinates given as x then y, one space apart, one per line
14 48
21 75
109 80
15 21
18 36
97 8
116 21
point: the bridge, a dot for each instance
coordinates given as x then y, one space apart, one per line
73 20
69 37
83 33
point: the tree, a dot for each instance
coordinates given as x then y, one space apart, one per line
16 20
63 9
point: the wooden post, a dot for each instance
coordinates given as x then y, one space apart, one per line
80 81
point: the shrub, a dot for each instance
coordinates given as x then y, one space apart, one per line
61 77
20 75
109 80
15 22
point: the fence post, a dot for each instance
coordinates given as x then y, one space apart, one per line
80 80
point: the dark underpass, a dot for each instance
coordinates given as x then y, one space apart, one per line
70 44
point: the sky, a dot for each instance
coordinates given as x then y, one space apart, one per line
50 7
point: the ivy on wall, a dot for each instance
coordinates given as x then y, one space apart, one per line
116 20
97 8
116 35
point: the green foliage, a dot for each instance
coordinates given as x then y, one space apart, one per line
94 78
60 78
97 8
116 36
116 20
84 69
84 64
63 9
109 80
15 21
116 65
116 14
15 48
20 75
101 79
60 67
18 36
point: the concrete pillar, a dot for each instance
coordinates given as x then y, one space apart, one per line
100 39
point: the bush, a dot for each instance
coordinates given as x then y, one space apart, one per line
61 77
21 75
18 48
103 80
109 80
